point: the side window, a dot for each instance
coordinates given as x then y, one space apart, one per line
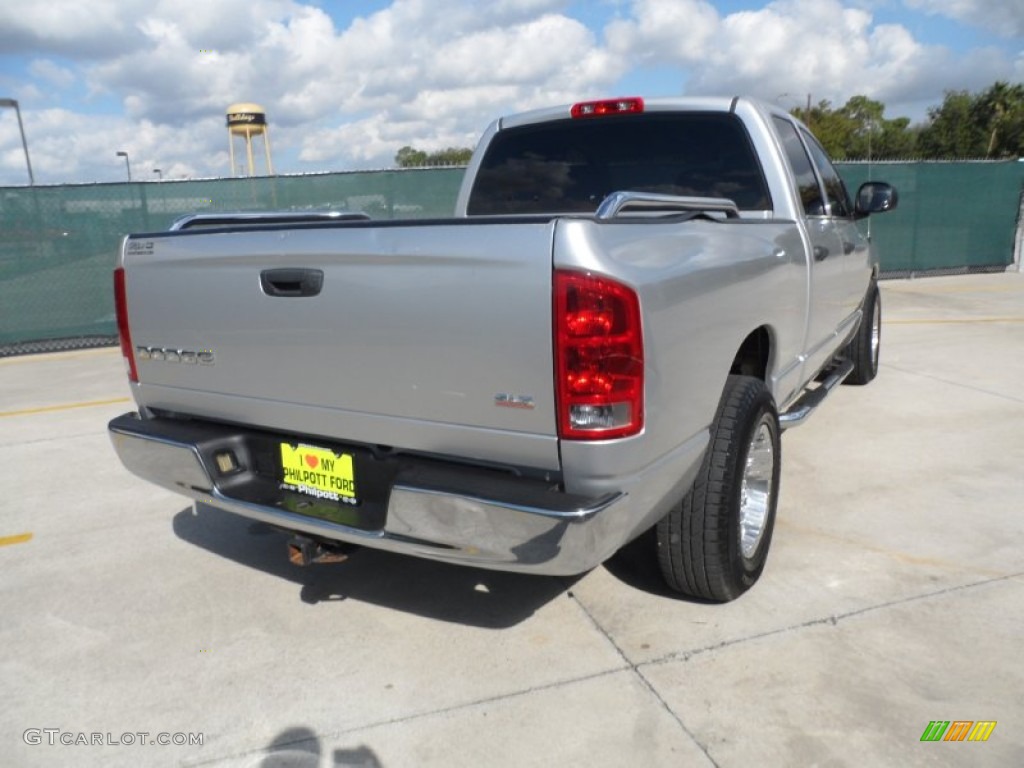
838 200
803 171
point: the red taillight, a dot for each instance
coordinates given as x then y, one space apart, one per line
599 358
121 306
607 107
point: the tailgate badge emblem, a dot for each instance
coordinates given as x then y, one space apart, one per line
186 356
504 400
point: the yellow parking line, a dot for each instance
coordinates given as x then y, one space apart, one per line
930 320
51 356
65 407
932 289
20 538
896 554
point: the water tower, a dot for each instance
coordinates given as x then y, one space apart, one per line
248 120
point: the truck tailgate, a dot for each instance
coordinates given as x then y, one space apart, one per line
429 337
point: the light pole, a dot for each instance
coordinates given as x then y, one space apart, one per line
159 174
126 163
24 144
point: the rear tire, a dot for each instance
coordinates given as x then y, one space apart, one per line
714 543
863 350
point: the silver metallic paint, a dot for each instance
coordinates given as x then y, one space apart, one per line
418 326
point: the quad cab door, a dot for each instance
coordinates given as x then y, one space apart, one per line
834 242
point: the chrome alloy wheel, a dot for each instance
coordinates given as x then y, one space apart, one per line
876 332
756 490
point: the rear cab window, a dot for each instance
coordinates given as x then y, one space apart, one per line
570 166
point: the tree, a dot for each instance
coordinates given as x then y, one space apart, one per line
1003 106
986 124
954 129
409 157
830 127
897 140
859 129
872 136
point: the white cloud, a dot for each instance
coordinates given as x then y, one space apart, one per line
68 146
788 46
532 51
108 29
1004 17
68 27
177 77
437 84
796 47
56 75
658 31
431 74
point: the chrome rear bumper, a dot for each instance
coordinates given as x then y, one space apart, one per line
431 509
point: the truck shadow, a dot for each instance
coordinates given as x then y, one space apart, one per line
457 594
636 566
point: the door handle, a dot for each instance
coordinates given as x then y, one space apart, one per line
820 253
292 282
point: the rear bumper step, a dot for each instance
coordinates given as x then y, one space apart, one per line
423 507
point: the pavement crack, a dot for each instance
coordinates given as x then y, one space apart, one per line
832 620
54 439
635 669
971 388
335 735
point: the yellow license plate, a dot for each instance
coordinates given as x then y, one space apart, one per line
318 472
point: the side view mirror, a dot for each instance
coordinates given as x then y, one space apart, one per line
875 197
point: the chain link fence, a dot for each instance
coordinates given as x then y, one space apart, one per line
58 244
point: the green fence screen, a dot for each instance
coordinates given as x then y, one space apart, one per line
950 215
58 243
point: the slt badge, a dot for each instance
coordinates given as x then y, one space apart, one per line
503 400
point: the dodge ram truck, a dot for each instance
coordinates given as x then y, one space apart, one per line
632 301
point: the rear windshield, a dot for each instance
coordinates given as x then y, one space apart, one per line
572 165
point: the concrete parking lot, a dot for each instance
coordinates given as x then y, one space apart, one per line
893 597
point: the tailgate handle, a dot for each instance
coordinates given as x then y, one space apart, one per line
292 282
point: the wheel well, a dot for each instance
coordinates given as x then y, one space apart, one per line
753 355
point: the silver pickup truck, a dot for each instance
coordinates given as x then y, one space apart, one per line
632 301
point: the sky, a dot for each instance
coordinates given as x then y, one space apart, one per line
346 84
